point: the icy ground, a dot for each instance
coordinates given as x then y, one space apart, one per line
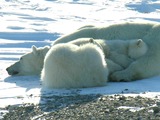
39 22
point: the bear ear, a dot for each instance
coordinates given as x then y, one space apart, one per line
34 49
91 40
139 42
45 50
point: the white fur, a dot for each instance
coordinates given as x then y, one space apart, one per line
125 31
72 66
120 52
125 52
137 48
30 63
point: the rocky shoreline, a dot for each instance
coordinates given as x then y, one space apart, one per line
87 107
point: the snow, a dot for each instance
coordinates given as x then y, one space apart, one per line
132 109
30 22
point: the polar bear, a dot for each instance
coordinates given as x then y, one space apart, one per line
133 50
71 66
143 67
124 52
117 52
30 63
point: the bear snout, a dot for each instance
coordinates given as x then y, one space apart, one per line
11 72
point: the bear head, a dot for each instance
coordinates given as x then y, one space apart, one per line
137 48
30 63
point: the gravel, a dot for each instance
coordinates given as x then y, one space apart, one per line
87 107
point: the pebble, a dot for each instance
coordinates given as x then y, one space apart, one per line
86 107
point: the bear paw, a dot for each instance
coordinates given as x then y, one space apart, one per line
120 76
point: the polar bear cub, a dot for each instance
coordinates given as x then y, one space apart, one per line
137 48
30 63
70 66
125 52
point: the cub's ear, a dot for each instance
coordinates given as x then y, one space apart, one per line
91 40
139 42
34 49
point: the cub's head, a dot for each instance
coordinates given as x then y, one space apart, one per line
30 63
137 48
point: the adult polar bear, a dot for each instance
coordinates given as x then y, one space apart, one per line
144 67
